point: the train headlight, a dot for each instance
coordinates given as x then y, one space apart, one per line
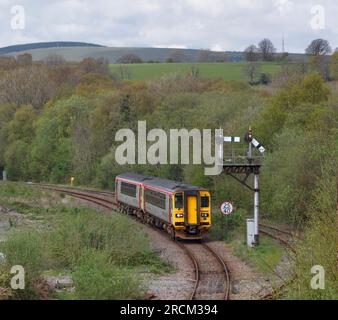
205 215
179 215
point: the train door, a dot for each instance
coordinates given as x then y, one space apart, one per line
142 196
192 209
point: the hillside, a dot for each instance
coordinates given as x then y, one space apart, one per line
77 51
44 45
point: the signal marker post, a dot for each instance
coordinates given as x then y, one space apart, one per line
247 165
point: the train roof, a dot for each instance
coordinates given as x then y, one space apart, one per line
169 185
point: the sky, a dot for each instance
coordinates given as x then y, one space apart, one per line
220 25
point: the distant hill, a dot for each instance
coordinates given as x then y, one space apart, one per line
43 45
77 51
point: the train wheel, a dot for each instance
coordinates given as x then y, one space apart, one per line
173 236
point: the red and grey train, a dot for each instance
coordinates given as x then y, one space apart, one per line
183 210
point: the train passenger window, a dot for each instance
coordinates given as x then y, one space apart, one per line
128 189
178 200
156 199
205 202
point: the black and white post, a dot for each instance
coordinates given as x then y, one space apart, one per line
254 143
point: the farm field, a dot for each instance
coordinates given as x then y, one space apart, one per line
226 71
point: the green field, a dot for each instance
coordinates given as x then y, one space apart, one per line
226 71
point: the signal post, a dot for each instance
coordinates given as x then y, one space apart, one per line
241 168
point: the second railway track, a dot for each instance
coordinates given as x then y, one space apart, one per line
285 237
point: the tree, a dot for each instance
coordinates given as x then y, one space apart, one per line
7 63
321 64
124 73
220 57
177 56
55 60
209 56
204 56
267 49
27 86
252 70
24 60
129 58
91 65
125 108
251 53
318 47
194 72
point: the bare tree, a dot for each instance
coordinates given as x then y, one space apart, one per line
177 56
99 65
24 59
29 85
55 60
267 49
211 56
252 70
124 73
204 56
251 53
220 57
129 58
194 72
319 47
321 64
7 62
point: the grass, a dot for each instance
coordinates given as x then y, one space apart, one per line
226 71
265 257
103 253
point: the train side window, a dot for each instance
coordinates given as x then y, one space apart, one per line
178 200
156 199
205 202
128 189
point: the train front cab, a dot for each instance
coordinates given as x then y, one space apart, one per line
191 213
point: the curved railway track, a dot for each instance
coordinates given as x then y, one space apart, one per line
212 278
285 237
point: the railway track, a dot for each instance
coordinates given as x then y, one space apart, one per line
285 237
212 278
88 195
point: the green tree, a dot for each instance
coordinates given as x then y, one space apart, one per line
52 149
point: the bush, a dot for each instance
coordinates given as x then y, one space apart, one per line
96 278
24 249
80 230
223 227
319 245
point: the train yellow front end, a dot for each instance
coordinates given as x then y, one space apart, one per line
191 213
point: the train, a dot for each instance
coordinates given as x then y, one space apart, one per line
182 210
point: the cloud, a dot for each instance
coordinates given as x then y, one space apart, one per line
215 24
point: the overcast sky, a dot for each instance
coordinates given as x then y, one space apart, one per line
213 24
